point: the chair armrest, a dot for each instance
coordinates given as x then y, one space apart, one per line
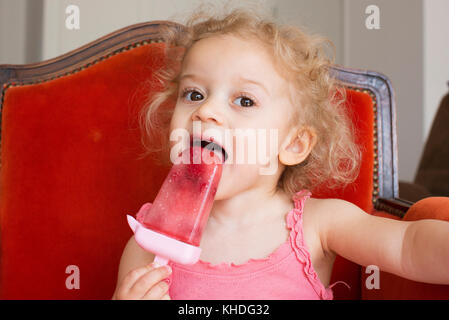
397 207
429 208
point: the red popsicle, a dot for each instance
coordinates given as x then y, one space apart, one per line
182 206
173 226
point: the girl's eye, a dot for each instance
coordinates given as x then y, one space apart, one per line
244 101
192 95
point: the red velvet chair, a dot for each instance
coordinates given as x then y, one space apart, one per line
71 166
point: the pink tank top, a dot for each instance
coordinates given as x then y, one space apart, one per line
286 274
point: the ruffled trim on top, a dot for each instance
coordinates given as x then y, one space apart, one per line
294 222
251 265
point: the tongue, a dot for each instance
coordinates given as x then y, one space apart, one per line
200 155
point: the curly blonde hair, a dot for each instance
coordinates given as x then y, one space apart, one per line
301 57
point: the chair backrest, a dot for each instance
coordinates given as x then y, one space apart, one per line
71 168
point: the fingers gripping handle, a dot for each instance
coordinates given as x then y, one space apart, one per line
160 261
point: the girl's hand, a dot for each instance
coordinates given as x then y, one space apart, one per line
144 283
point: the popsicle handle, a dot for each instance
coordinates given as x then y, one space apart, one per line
161 261
163 246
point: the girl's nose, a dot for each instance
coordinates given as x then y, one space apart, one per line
208 112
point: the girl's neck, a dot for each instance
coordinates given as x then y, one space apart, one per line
250 207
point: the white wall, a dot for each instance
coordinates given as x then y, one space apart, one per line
318 16
12 31
436 57
20 31
100 17
97 18
396 51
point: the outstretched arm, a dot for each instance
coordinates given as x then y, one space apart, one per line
425 252
416 250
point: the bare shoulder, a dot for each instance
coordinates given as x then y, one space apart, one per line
321 215
323 211
323 204
318 211
133 257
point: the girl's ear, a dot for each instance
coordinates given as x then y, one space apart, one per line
297 145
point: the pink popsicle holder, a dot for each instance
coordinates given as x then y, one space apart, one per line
164 247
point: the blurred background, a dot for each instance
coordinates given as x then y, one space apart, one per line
410 47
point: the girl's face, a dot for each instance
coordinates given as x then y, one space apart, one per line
230 85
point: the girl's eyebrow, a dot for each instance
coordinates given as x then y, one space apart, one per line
254 82
188 75
241 79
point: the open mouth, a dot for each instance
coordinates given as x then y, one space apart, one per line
212 146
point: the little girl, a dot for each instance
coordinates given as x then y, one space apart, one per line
266 237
